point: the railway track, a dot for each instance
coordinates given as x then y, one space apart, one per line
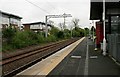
11 65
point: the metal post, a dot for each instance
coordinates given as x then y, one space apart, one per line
46 30
93 30
89 30
9 24
95 42
20 25
71 32
64 19
104 40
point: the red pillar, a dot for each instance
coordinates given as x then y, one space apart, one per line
99 33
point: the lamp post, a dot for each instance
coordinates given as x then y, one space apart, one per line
64 18
104 40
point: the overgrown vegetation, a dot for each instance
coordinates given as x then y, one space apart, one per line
14 39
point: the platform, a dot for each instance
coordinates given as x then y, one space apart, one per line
77 59
47 65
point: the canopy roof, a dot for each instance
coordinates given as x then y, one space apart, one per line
96 8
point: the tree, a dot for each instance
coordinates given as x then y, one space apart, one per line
51 22
67 33
61 26
75 22
77 32
86 31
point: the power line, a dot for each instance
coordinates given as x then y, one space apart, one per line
37 6
50 5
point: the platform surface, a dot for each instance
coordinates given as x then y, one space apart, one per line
47 65
77 59
92 63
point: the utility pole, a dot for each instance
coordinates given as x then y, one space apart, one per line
46 30
64 19
71 31
104 40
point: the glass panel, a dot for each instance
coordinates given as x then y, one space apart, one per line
119 25
115 22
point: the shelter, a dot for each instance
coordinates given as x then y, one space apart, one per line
112 23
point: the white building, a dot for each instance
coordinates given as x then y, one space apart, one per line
9 20
36 26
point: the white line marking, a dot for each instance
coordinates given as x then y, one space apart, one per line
77 57
86 62
93 57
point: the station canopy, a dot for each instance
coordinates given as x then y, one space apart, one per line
96 7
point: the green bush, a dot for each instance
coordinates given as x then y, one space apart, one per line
67 33
60 35
21 39
6 47
75 33
8 34
40 38
50 38
78 32
27 38
54 31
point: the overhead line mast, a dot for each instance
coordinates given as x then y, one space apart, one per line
55 16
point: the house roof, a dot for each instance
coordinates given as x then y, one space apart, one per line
34 23
96 7
11 15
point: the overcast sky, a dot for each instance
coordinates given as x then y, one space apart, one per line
77 8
